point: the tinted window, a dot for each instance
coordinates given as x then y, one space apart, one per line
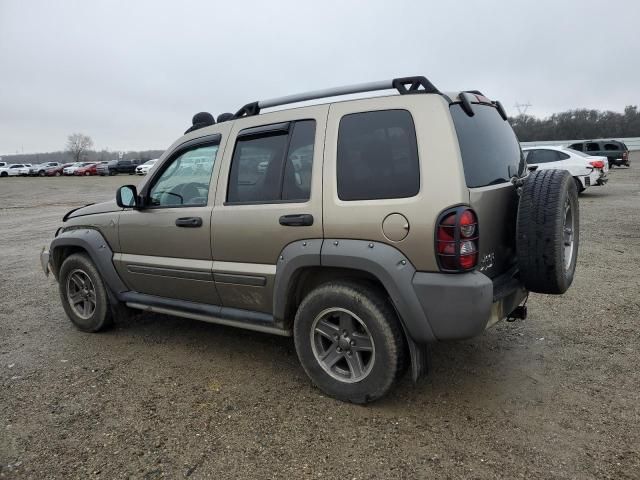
185 180
611 146
377 156
297 170
592 147
273 166
543 156
490 150
577 146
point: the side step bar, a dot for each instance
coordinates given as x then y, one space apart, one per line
233 317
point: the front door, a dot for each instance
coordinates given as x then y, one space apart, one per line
165 247
269 195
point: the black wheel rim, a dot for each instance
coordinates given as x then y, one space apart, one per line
342 345
81 294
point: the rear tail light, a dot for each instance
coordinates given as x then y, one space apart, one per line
457 240
597 164
625 155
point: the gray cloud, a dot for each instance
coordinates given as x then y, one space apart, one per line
131 74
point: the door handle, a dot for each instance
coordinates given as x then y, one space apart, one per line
298 220
189 222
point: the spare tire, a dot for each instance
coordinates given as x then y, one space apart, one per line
548 231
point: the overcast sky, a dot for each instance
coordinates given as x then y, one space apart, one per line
132 73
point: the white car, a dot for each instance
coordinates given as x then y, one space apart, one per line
24 170
15 169
585 169
145 167
71 169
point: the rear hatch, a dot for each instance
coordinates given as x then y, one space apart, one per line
491 156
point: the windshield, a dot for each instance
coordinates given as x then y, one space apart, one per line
490 150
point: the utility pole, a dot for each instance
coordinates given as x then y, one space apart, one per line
522 107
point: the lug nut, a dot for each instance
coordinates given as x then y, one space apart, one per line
353 343
336 337
339 350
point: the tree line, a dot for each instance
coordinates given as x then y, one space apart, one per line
78 149
579 124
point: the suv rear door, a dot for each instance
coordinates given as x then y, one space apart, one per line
269 195
491 156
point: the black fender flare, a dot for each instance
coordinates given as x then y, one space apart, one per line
98 249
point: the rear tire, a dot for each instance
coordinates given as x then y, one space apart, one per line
548 231
84 295
349 341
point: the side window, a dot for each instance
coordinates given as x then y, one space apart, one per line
543 156
273 166
577 146
611 146
377 156
185 181
296 184
562 155
593 147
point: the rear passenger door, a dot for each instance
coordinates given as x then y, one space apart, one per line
269 195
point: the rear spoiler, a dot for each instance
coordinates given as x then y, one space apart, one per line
469 97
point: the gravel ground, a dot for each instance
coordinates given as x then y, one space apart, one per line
555 396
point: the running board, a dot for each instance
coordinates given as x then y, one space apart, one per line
232 317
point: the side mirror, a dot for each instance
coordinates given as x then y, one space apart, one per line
127 196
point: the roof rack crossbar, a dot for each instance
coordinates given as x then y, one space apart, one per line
397 83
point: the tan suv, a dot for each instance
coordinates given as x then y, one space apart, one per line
366 229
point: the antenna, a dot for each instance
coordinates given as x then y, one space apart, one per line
522 107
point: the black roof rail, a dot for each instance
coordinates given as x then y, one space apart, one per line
404 86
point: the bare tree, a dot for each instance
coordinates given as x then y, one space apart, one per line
78 144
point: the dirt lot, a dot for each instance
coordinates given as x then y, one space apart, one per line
555 396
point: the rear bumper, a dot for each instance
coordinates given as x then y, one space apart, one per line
460 306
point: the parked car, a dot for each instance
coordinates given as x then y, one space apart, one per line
379 225
71 169
586 171
124 166
12 170
24 170
86 170
41 169
104 168
145 167
56 171
616 152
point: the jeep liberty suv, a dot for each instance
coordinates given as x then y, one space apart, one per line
366 229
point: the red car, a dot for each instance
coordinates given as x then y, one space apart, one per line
87 170
56 171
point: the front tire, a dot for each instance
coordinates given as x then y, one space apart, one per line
349 341
83 294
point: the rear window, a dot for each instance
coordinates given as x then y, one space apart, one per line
611 146
490 150
377 156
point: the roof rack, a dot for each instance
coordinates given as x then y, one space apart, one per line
406 85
